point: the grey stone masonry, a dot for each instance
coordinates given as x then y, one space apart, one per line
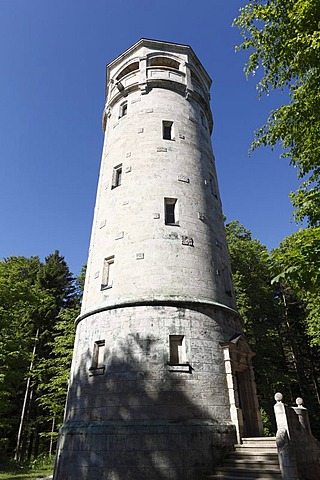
152 390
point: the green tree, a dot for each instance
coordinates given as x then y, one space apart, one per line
55 367
37 303
54 388
297 260
81 279
62 296
260 311
283 37
19 298
276 316
297 264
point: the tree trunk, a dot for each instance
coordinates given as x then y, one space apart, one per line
17 455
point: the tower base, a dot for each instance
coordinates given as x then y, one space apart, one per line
141 450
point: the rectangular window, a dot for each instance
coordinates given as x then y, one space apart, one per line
98 361
171 211
177 349
123 109
117 176
107 276
167 130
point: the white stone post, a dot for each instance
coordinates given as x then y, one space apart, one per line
284 444
303 415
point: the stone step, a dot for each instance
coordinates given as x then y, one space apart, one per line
255 449
258 439
270 473
251 462
262 441
223 477
260 456
218 477
254 458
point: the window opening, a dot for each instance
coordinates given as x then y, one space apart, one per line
167 130
177 350
98 355
123 109
196 79
213 187
170 211
108 270
203 119
117 176
164 62
227 280
130 68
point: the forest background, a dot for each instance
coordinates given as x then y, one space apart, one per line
277 292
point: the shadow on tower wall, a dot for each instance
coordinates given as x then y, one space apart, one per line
136 421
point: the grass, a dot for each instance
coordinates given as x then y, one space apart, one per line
39 468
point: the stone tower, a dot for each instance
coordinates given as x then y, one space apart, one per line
161 383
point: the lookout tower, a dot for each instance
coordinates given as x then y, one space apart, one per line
161 381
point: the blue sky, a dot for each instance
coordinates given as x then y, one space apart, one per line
52 86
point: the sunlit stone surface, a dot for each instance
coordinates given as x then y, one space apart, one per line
153 391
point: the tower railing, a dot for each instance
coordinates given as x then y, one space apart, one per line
298 449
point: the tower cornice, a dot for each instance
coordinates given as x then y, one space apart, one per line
155 301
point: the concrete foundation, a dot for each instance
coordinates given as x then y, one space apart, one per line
142 450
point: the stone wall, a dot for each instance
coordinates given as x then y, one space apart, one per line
141 413
148 394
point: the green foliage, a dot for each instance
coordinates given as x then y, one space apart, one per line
297 264
53 358
18 300
40 467
298 258
283 37
37 300
280 318
55 369
260 310
81 279
268 428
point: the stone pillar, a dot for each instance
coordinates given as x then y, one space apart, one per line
285 446
235 412
303 415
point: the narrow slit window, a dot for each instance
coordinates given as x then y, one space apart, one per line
177 350
98 361
213 186
108 270
227 281
123 109
167 130
203 119
117 176
170 206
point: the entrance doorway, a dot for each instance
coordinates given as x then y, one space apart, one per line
244 407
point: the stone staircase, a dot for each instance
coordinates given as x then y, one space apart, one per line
254 458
